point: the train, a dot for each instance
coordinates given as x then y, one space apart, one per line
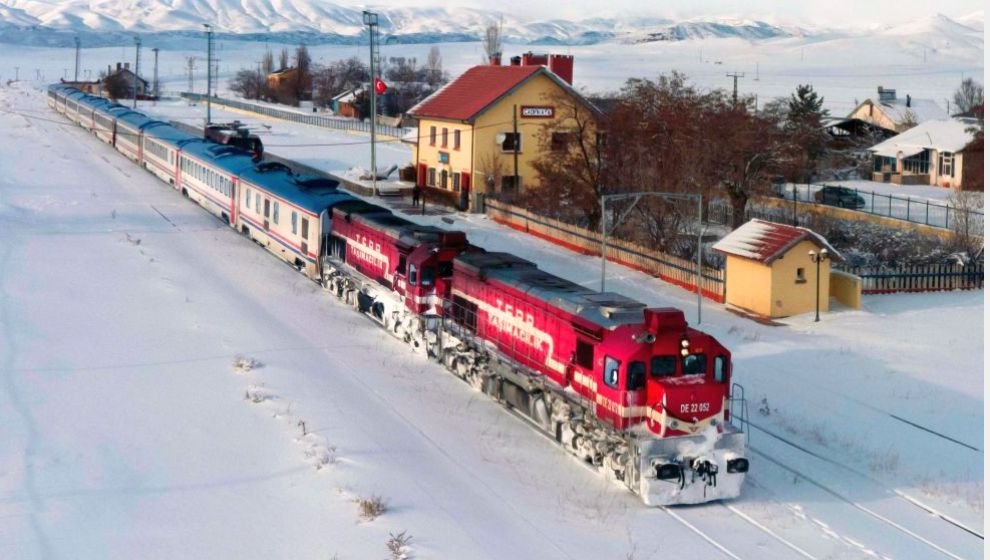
632 391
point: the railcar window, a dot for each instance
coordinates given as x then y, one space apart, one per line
721 369
275 213
694 364
584 355
293 219
257 202
305 228
663 366
247 198
610 375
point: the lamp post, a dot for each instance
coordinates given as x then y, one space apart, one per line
209 71
370 20
817 258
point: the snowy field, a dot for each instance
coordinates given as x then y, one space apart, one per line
128 432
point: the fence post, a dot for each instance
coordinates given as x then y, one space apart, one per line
909 209
890 206
926 211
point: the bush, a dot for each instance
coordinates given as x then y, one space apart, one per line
371 507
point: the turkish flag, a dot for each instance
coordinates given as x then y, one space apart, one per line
380 86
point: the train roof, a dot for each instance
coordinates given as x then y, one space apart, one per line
605 309
167 133
310 193
228 158
134 119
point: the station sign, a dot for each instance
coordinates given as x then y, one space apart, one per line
536 112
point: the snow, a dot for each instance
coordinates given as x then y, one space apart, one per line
130 425
947 135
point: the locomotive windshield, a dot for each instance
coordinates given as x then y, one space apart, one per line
426 276
663 366
694 364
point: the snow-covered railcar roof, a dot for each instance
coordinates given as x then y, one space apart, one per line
309 193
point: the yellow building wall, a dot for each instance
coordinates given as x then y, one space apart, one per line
748 285
429 155
878 117
792 296
846 288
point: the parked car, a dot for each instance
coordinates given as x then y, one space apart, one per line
843 197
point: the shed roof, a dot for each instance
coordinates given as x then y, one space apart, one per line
765 242
944 136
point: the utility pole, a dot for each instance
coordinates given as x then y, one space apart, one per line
371 20
76 78
209 71
515 150
155 86
190 66
137 66
735 84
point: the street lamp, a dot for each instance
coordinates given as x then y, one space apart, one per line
817 258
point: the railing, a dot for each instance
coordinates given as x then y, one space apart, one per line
898 207
669 268
921 278
336 123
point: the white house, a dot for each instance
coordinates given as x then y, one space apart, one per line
897 113
928 154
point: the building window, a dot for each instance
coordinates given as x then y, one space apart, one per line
512 142
443 137
457 139
560 140
510 182
432 177
800 279
917 164
947 164
433 136
457 182
443 179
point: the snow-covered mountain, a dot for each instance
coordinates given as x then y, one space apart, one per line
317 21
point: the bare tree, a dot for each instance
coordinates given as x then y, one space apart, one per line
493 41
434 67
283 59
116 85
968 96
249 83
267 63
303 82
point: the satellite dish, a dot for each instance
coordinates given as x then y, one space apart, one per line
500 138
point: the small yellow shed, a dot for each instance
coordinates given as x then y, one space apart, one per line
774 269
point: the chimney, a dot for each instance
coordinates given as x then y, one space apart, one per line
118 67
496 59
515 61
108 70
531 59
563 66
908 100
127 66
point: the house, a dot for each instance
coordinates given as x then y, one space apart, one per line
482 131
897 114
345 104
123 70
931 153
92 88
285 78
768 270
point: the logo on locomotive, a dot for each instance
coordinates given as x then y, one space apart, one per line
368 251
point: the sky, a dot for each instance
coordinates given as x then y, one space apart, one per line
835 12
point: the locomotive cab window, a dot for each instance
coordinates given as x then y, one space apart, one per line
721 369
445 269
584 355
412 275
663 366
426 276
610 374
635 376
694 364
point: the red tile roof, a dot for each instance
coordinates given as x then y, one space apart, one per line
473 91
766 241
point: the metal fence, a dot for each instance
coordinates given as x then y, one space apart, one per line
336 123
899 207
921 278
669 268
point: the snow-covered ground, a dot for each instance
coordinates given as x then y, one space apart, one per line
128 431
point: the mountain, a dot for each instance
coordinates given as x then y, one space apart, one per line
42 22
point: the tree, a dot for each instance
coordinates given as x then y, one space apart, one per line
283 59
116 85
338 77
805 128
572 168
434 67
493 41
249 83
968 97
303 82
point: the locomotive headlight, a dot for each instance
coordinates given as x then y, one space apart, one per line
739 465
684 343
668 471
684 352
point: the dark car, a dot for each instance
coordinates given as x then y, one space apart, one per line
843 197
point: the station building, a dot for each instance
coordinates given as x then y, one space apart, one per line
481 132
